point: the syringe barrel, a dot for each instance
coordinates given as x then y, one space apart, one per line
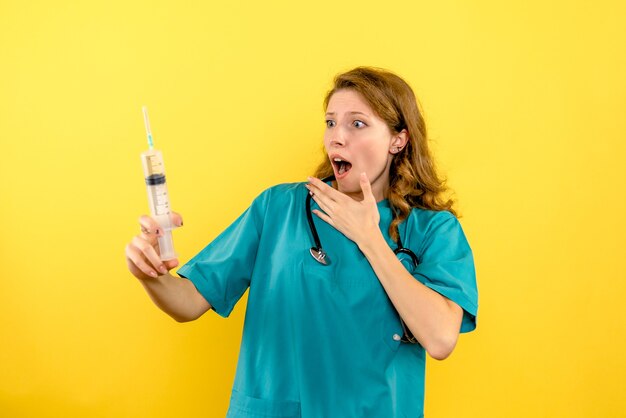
158 199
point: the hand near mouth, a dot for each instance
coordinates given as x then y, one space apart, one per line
357 220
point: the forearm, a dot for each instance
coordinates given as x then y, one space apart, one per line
176 296
433 319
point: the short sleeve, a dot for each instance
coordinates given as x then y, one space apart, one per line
447 266
222 270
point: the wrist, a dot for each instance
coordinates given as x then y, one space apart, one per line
371 240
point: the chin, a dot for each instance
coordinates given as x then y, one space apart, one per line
347 185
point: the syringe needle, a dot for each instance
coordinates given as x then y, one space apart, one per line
147 123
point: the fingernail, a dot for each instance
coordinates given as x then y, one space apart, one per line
163 269
153 274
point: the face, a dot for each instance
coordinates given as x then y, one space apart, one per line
356 141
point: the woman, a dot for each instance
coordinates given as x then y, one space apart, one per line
323 335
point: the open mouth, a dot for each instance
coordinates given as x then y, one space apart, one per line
341 166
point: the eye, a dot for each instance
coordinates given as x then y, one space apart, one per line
358 124
330 123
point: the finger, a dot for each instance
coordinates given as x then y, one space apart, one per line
135 256
149 225
323 204
326 190
152 238
326 202
366 187
313 189
149 253
324 217
149 235
321 188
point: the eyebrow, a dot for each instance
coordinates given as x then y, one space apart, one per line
352 113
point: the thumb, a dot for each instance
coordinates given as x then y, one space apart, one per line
170 264
176 219
366 187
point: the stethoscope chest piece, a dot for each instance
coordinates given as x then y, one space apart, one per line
316 251
320 256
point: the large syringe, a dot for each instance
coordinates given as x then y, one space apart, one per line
154 173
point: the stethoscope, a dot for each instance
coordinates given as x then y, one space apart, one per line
318 253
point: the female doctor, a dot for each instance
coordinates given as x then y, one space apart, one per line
353 275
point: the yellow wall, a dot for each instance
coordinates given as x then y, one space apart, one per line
526 106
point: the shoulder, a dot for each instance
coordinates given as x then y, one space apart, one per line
284 189
281 195
428 220
274 204
428 227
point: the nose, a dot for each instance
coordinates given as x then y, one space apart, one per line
337 138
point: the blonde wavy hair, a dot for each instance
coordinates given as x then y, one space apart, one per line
413 178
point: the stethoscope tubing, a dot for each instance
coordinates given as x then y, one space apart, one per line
309 217
320 256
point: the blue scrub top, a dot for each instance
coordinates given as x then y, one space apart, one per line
318 341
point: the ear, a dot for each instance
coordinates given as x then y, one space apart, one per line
399 141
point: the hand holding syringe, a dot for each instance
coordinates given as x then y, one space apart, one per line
142 253
177 297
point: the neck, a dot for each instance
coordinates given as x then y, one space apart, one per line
379 195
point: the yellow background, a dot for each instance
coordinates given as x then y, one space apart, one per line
526 108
